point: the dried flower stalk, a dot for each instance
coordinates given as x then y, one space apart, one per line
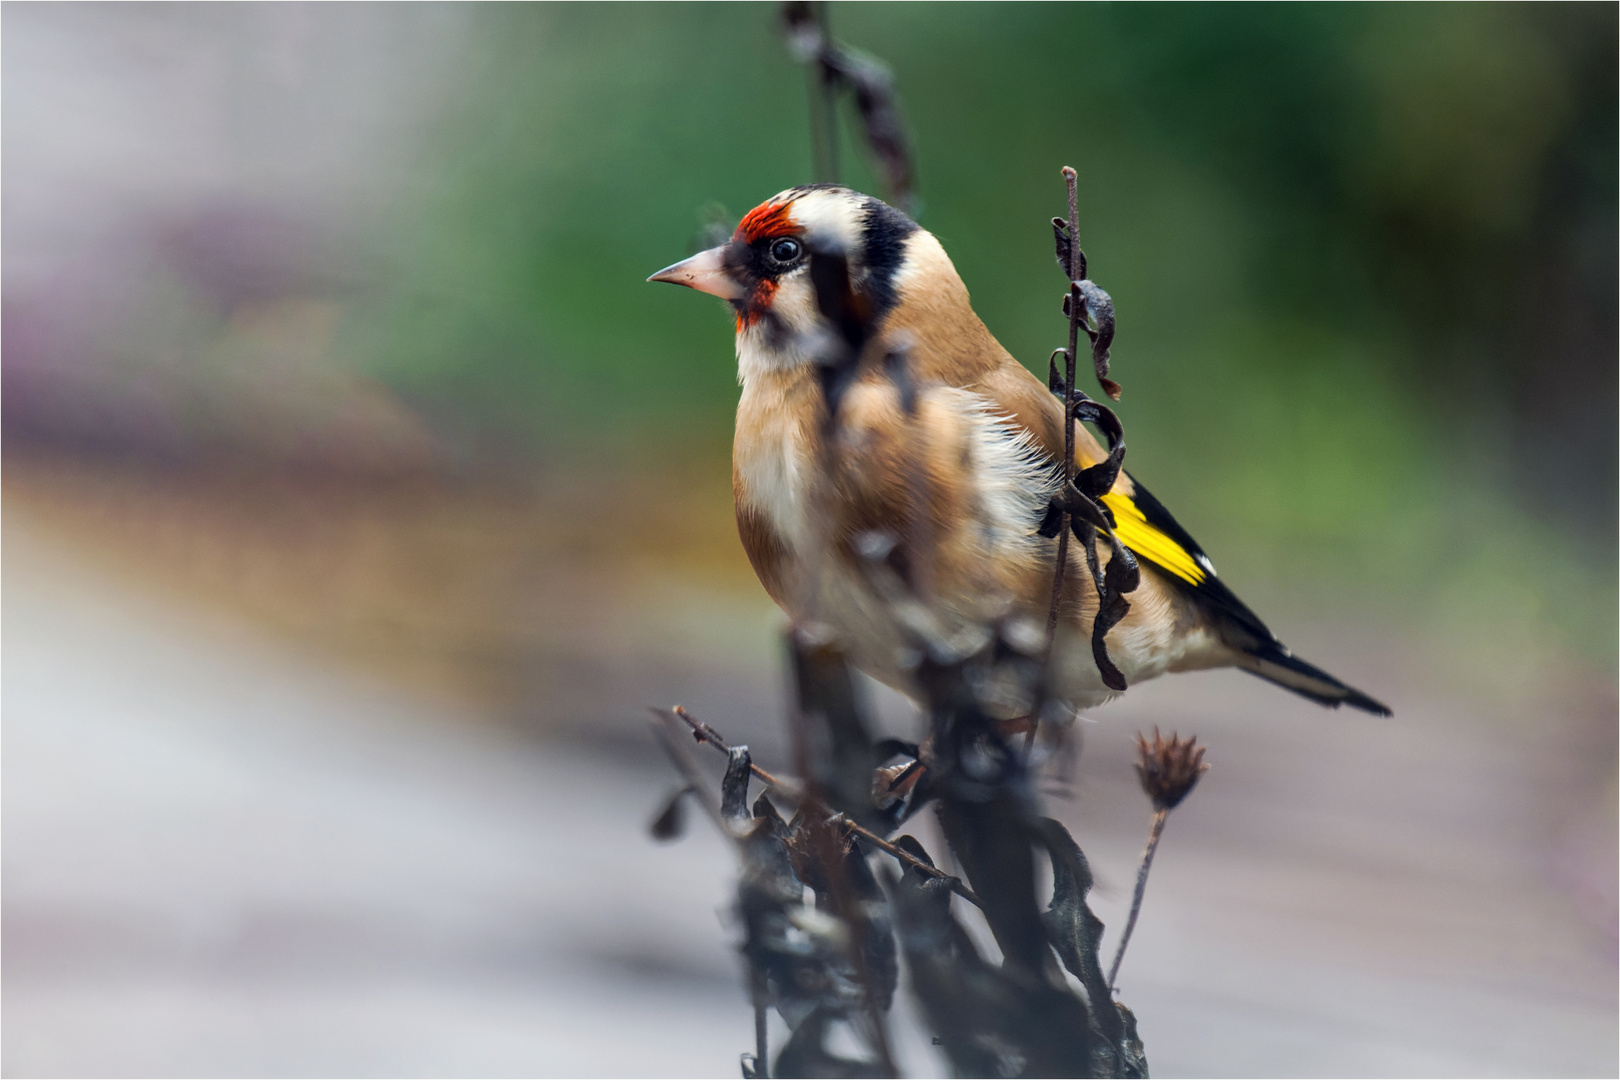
1168 771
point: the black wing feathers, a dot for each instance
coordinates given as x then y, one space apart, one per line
1263 654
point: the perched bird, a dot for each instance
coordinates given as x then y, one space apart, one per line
947 446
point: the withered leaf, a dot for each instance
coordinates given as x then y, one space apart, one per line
734 787
1075 932
1100 314
765 810
1060 233
671 820
1055 381
806 1053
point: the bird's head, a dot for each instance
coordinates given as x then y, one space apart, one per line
788 257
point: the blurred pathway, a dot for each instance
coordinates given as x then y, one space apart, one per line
224 857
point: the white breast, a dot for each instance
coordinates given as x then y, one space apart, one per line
1010 481
773 460
1013 480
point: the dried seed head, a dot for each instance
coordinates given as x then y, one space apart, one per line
1168 769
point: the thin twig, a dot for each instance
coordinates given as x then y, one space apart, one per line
762 1059
1069 354
1159 818
1057 578
680 755
957 885
706 734
1071 180
827 168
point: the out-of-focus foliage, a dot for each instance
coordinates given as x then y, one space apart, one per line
1384 236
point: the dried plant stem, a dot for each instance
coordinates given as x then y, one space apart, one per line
824 97
1071 181
762 1059
704 733
1159 818
883 845
1069 354
1057 588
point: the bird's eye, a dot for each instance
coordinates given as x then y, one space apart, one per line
785 250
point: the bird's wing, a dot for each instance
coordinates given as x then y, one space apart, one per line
1145 527
1143 524
1140 521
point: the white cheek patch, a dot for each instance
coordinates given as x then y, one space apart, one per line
794 303
790 335
761 349
925 264
833 217
793 333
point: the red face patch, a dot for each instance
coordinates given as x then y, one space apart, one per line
767 220
760 299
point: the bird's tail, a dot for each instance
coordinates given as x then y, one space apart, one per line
1159 539
1273 662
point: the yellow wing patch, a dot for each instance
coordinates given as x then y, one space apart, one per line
1133 530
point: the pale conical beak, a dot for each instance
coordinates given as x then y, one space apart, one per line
705 272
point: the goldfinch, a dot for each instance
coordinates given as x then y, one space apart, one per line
956 462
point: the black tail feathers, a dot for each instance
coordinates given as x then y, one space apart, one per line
1274 663
1254 647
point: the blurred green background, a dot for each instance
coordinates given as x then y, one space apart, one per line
1364 259
1363 255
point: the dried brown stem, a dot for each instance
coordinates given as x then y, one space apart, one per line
762 1058
826 96
706 734
1071 181
1159 818
680 756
